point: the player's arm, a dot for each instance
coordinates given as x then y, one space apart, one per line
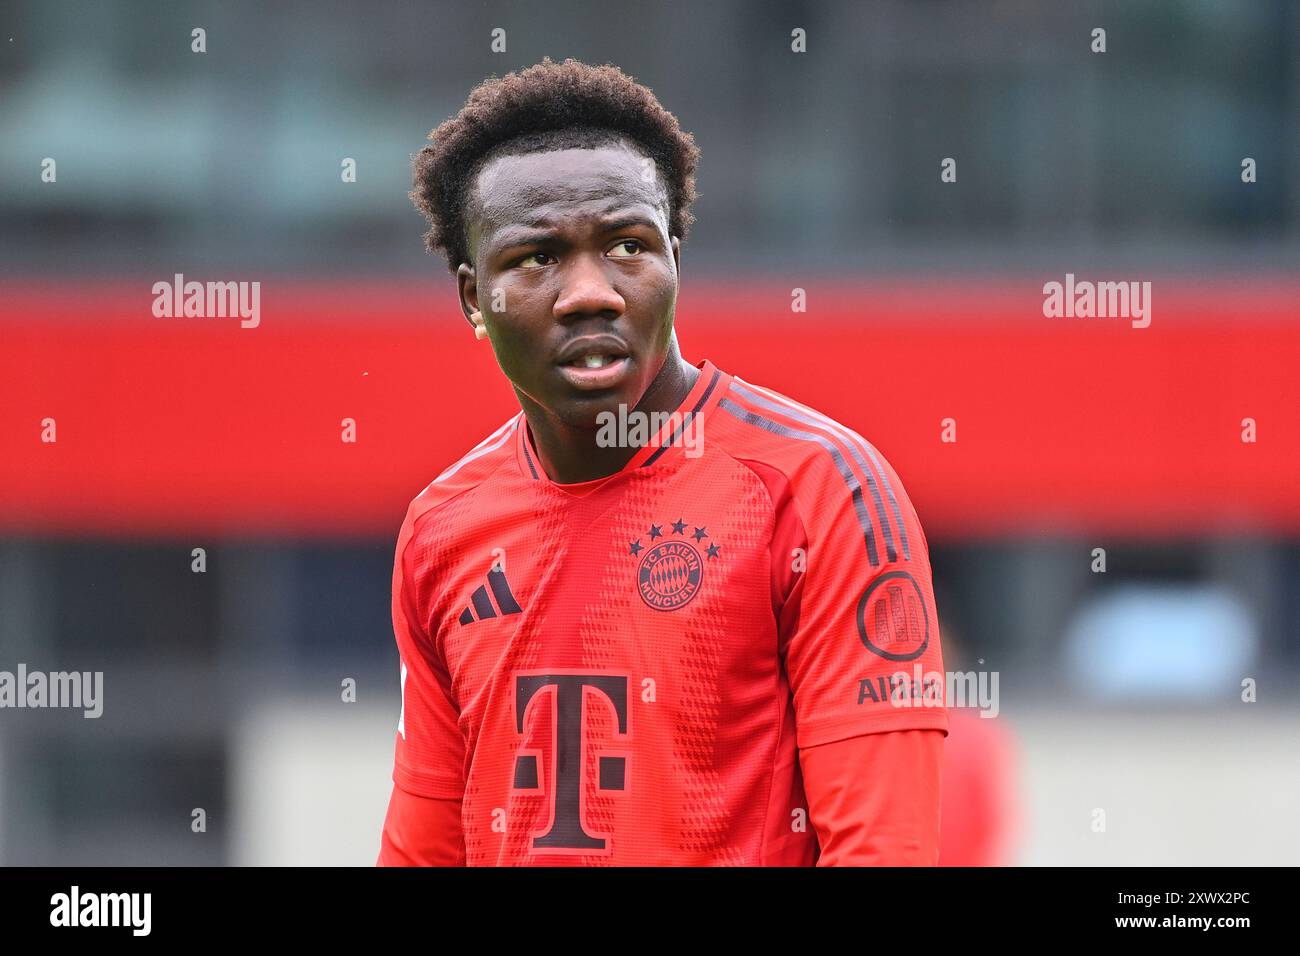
860 639
874 799
423 823
421 831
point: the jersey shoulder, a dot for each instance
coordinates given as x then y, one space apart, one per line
762 425
468 472
840 478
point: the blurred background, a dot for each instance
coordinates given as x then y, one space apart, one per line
1080 444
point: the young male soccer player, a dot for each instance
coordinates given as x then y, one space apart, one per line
696 645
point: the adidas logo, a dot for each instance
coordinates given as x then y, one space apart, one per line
481 605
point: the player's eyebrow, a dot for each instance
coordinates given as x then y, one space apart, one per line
614 223
541 228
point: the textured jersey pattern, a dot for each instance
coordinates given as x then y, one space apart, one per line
620 672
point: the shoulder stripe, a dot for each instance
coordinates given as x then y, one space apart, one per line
850 479
677 432
487 445
856 445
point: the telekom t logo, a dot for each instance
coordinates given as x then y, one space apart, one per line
573 697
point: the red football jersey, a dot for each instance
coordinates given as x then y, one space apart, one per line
621 671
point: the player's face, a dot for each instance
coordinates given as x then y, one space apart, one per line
575 275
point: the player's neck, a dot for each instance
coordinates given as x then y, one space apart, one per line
570 455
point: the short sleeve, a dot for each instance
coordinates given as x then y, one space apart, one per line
859 632
430 749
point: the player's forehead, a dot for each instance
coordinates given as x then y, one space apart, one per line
565 185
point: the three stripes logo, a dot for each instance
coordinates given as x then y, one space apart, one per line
481 607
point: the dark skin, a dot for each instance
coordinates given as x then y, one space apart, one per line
574 243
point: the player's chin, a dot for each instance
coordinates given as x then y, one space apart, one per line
591 411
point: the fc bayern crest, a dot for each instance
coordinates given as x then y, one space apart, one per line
671 570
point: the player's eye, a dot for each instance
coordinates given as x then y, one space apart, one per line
623 244
528 261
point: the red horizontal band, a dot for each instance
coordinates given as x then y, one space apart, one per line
189 425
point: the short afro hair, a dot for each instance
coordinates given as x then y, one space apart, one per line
547 106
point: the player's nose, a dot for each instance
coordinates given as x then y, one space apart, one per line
587 291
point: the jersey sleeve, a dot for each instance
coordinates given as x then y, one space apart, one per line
875 800
430 749
421 831
858 629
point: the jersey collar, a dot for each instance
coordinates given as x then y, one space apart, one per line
665 448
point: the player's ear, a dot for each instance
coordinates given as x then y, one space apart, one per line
677 254
467 286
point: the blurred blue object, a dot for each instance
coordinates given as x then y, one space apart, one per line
1158 643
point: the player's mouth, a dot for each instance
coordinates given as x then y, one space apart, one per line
594 362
